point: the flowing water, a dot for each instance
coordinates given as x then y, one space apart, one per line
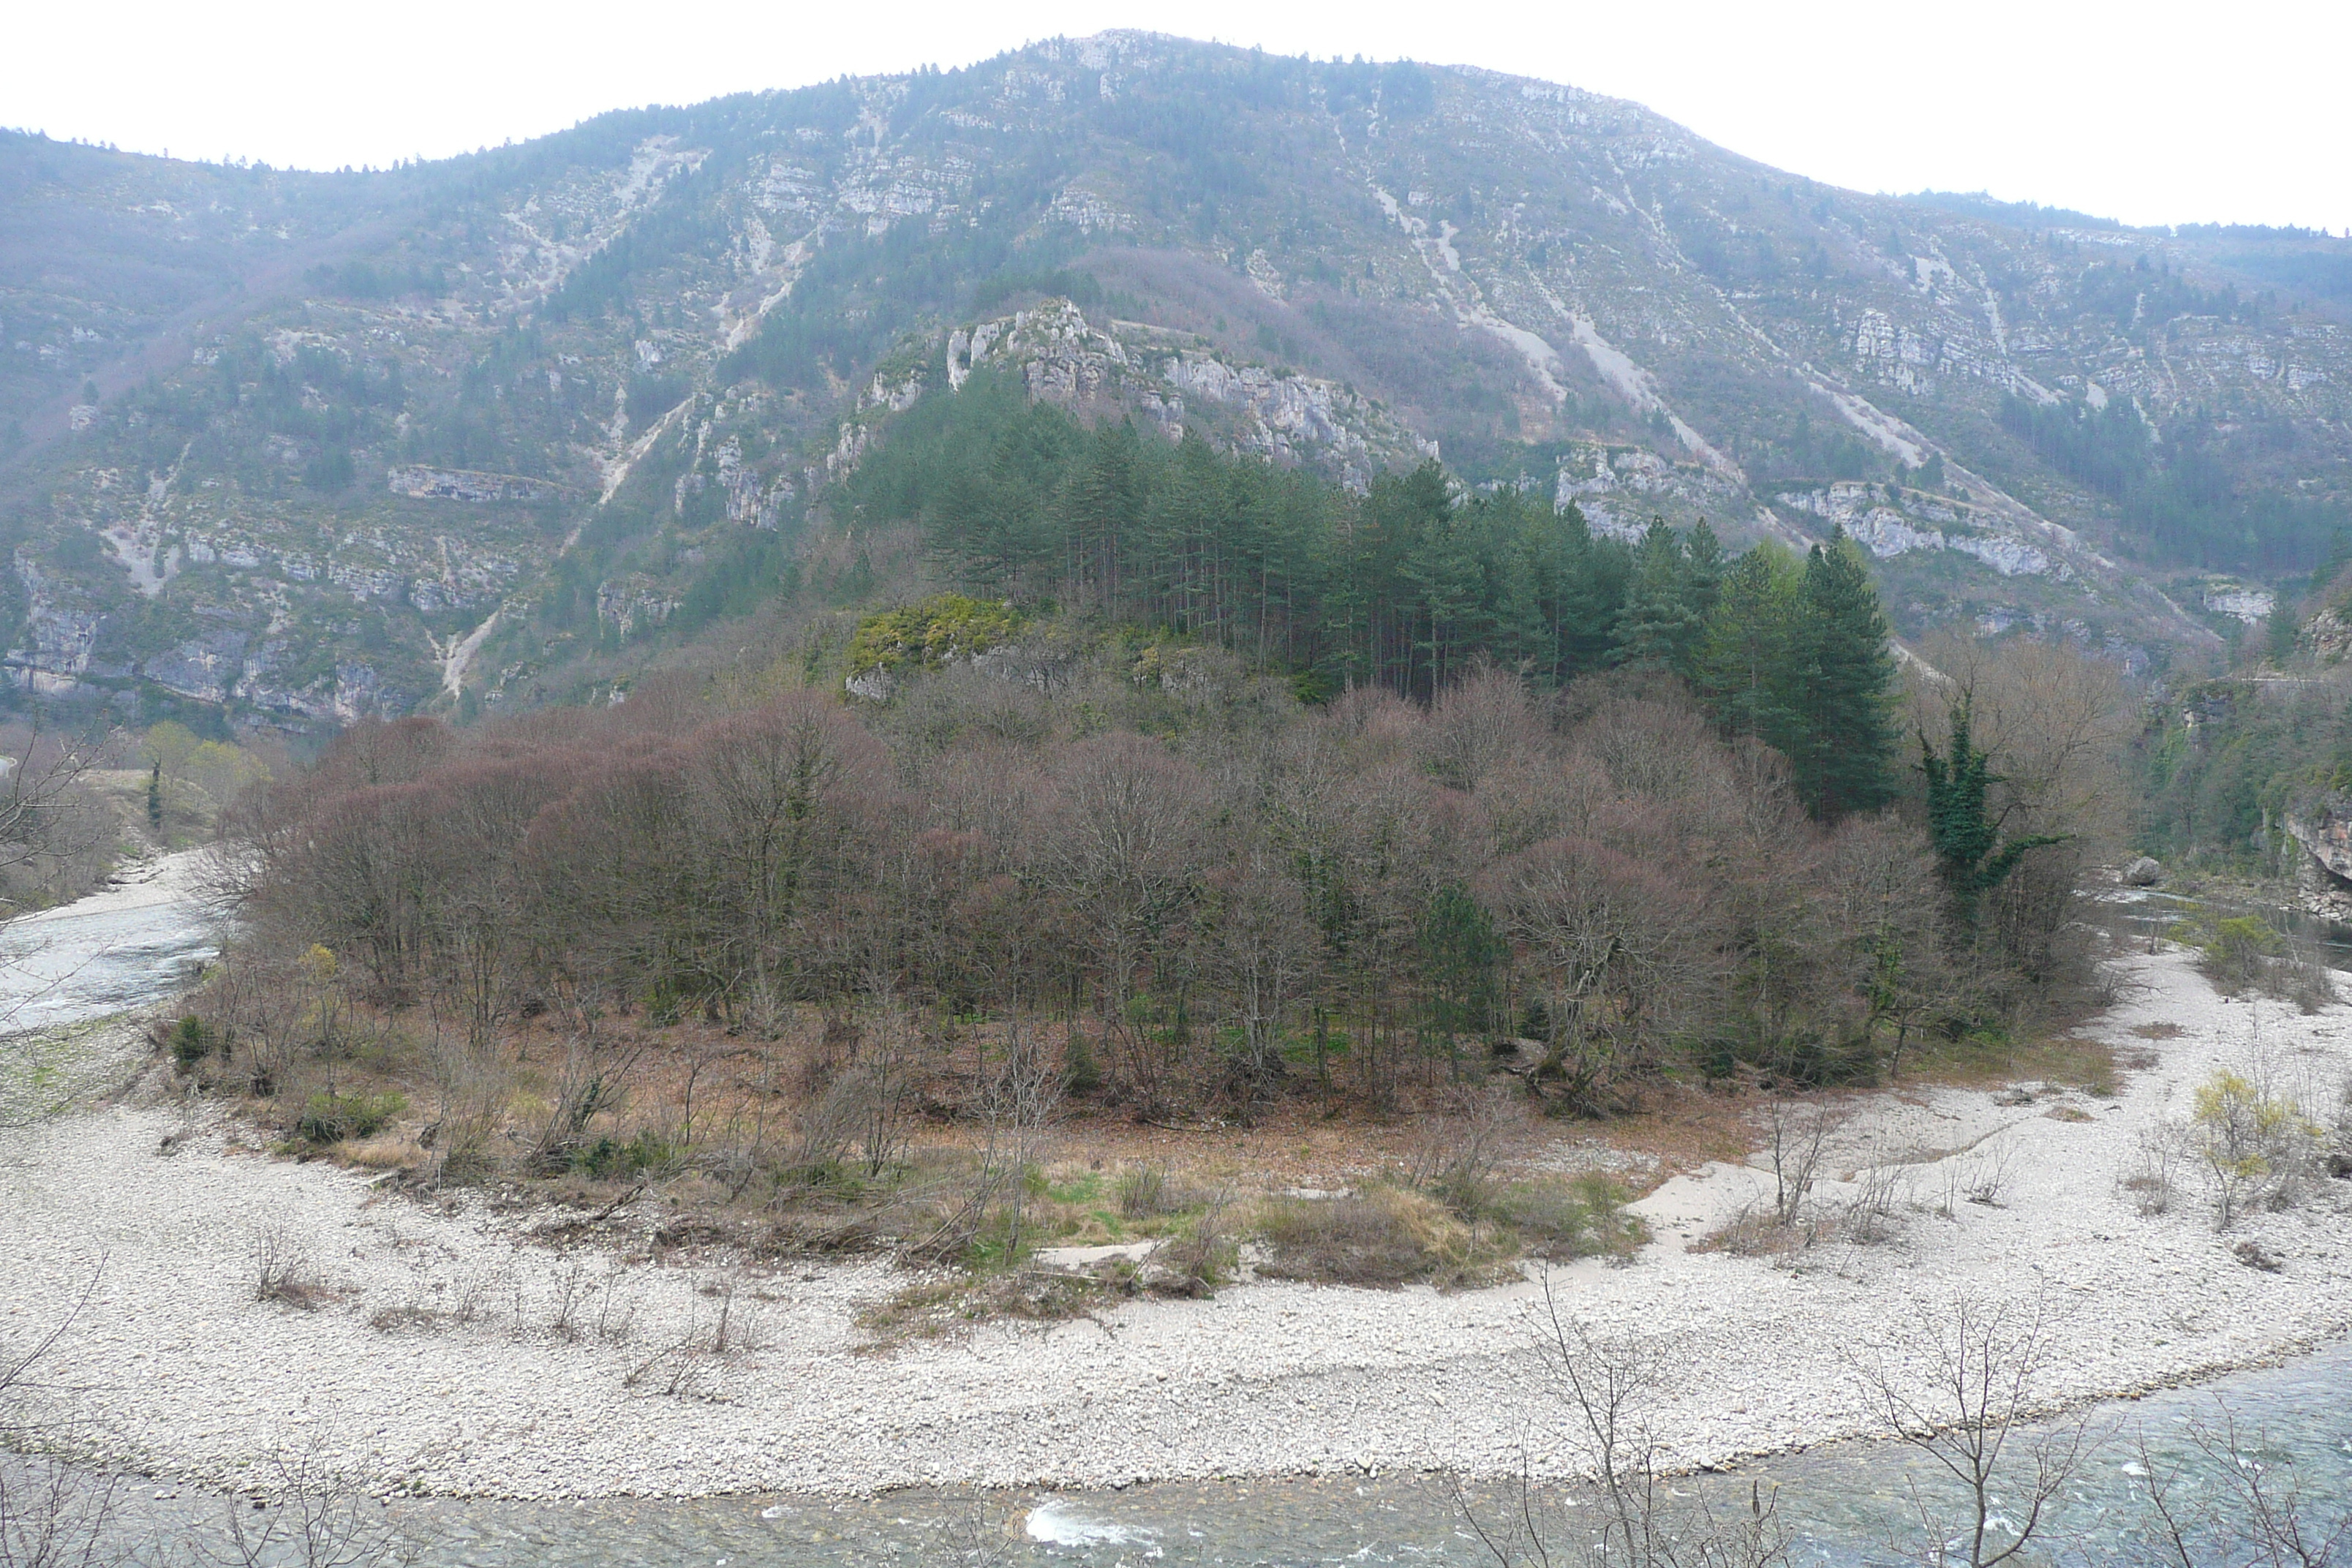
132 946
1848 1506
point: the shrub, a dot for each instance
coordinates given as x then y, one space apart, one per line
1557 1221
940 630
283 1271
2256 1146
1081 1074
331 1118
191 1041
606 1156
1202 1257
1143 1193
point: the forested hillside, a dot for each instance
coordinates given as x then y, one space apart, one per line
302 447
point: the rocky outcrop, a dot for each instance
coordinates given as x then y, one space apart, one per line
1176 381
2322 825
421 483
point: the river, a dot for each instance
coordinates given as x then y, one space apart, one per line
133 944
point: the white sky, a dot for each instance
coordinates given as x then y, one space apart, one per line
2153 113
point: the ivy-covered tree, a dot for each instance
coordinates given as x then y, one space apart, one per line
1961 824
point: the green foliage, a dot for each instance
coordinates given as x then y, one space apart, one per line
1463 956
1667 601
2220 767
1403 587
330 1118
1967 838
1797 657
371 280
606 1158
1081 1074
2181 498
939 630
1744 667
1842 739
192 1042
1406 588
1561 1221
2234 950
2254 1143
1081 289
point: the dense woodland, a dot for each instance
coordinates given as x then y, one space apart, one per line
1407 588
1204 893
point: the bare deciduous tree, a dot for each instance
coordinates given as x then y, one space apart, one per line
1967 1413
1605 1391
2245 1505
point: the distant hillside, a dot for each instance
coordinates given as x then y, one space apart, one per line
287 443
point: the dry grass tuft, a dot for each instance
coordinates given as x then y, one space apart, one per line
387 1152
1385 1237
283 1272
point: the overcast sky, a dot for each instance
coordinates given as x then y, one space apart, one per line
2152 112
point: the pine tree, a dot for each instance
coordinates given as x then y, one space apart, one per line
1744 664
1660 625
1843 745
1703 570
1960 823
2281 629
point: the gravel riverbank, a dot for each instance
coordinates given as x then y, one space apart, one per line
454 1354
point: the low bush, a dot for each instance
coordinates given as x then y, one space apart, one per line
1144 1193
1201 1257
605 1157
331 1118
2255 1144
1559 1220
283 1272
191 1041
1081 1073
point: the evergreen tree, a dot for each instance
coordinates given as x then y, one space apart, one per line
1960 824
1100 500
1461 955
1660 625
2282 629
1702 571
1842 743
1744 662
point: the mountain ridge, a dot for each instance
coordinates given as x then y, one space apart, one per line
667 324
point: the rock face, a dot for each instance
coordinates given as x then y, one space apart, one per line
421 483
2323 828
1169 377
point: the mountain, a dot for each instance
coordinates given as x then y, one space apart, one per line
314 446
